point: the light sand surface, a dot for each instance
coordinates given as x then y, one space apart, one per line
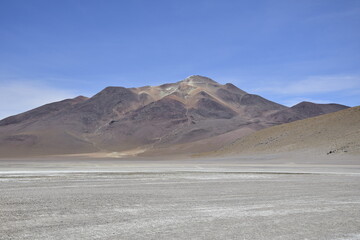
253 197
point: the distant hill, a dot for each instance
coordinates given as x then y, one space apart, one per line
192 115
329 134
304 110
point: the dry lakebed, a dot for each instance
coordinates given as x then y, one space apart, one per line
232 198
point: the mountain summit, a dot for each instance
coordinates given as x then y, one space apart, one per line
197 79
191 115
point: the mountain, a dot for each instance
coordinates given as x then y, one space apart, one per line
304 110
329 134
195 114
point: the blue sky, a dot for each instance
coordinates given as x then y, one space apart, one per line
285 50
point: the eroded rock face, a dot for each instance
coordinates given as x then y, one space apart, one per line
209 108
164 109
194 109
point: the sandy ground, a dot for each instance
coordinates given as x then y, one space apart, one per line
233 198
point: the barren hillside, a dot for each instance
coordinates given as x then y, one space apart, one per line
193 115
333 133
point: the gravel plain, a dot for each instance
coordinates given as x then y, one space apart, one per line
178 199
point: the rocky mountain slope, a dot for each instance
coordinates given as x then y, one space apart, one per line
196 111
329 134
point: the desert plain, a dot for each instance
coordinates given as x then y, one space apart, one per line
245 197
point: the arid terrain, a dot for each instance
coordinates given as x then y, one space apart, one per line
189 120
194 115
231 198
188 160
336 133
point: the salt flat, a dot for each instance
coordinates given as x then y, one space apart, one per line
236 198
